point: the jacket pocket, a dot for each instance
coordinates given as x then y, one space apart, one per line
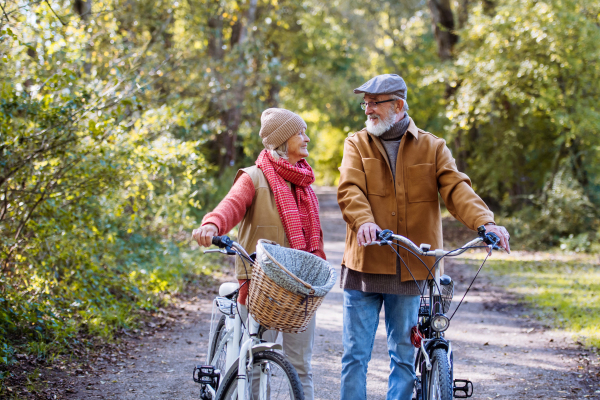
375 176
422 184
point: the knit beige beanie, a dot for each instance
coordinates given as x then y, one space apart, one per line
277 125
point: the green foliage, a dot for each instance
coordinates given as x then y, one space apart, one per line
552 221
562 293
96 181
525 112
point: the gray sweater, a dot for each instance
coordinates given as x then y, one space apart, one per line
381 283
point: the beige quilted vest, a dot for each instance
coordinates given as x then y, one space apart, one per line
261 221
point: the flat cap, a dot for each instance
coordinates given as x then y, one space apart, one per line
384 84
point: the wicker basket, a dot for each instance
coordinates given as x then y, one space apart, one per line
276 307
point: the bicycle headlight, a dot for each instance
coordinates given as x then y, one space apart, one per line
440 323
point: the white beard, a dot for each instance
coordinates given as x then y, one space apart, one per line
382 126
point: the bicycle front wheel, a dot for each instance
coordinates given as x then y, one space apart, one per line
438 383
272 378
217 357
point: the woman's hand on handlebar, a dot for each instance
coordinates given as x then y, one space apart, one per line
367 233
204 234
502 233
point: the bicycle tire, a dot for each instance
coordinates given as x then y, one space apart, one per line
437 384
220 332
284 383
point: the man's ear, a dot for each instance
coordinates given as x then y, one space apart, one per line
400 105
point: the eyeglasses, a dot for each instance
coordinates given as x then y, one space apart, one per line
372 104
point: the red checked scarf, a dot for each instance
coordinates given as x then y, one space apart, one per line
301 220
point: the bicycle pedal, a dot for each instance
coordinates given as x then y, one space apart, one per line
463 388
207 375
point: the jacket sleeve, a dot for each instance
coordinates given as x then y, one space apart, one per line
352 189
456 191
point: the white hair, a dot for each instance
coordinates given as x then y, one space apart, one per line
405 104
280 152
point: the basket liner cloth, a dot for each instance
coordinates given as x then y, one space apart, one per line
311 269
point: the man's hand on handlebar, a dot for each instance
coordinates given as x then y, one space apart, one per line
502 233
367 233
204 234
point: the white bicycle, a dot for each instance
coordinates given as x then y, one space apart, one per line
240 365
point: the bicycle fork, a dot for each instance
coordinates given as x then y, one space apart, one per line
245 362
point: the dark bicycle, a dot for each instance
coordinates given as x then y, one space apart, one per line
434 360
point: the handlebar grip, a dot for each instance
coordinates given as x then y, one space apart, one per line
385 234
221 241
492 239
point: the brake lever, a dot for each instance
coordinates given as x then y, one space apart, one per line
215 251
494 239
226 250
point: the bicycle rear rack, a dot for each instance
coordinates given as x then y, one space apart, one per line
465 390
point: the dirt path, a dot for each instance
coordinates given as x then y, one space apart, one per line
504 353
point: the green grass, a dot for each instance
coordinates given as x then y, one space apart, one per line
565 294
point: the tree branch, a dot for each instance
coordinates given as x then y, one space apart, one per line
55 14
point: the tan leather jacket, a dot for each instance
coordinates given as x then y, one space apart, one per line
410 207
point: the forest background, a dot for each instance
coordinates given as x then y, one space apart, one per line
122 123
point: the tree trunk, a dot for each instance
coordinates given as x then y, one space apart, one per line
463 13
443 27
232 117
83 8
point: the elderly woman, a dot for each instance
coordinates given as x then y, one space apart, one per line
273 200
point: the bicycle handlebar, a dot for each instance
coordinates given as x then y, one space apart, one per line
231 247
222 241
491 239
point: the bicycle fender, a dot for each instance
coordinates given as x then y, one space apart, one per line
257 348
266 346
436 344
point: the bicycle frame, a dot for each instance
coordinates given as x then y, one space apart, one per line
247 334
241 355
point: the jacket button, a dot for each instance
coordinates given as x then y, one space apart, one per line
393 213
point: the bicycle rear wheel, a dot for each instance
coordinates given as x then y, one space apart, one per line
272 378
437 384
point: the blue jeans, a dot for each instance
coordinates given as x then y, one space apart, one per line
361 317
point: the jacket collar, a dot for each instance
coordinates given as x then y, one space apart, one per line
412 129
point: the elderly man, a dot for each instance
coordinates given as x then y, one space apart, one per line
390 177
